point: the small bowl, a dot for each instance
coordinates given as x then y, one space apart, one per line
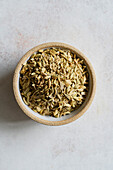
48 120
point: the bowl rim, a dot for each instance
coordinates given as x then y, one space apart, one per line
49 45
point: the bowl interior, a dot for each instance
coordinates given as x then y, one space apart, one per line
49 118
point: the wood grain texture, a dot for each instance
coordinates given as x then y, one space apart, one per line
92 83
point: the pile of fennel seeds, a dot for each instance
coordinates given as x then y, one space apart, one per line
54 82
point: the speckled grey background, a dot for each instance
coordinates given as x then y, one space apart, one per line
86 144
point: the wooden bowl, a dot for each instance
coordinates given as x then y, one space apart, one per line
48 120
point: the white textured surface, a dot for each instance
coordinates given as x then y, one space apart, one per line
86 144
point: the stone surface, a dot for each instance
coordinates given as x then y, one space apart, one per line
86 144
